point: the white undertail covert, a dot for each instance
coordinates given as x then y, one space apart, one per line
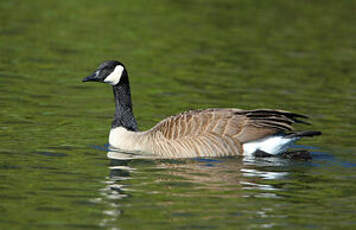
273 145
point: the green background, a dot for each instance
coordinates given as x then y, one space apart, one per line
291 55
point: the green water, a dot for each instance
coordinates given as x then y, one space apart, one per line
292 55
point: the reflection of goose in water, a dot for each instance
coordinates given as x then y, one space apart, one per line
198 133
179 181
220 175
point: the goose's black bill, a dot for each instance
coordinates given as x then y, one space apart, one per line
90 78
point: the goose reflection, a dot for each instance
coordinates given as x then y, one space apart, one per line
220 173
221 177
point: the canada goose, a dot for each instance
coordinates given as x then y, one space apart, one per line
197 133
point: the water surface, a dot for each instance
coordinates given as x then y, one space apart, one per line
294 55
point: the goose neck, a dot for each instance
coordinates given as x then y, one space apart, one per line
124 116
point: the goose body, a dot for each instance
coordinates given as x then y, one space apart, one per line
197 133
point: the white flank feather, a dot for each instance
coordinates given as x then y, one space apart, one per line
273 145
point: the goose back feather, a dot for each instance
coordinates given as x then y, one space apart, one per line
211 132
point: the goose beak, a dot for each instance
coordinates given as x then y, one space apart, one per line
90 78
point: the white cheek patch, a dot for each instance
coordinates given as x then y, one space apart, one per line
114 77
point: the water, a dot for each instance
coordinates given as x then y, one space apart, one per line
54 171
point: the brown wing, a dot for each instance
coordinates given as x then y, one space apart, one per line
265 122
248 125
220 131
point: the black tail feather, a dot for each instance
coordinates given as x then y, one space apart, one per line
304 134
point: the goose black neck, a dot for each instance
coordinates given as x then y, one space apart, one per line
124 116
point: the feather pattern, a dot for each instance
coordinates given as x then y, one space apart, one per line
214 132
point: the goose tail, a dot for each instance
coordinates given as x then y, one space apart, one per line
303 134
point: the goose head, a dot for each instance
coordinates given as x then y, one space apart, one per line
110 72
